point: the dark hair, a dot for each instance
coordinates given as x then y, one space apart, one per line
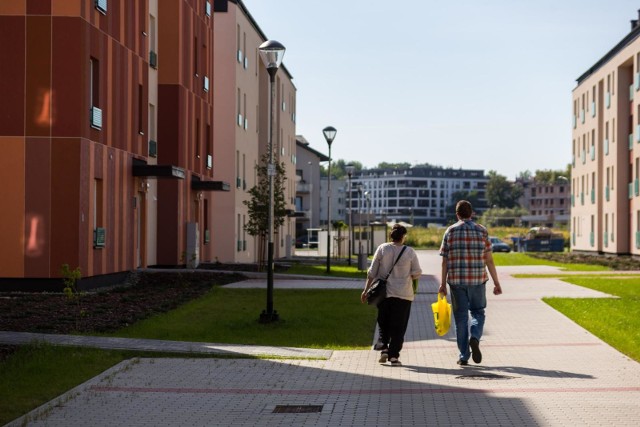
397 232
464 209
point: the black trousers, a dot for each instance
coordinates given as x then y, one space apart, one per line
393 318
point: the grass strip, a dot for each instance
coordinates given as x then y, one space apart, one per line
345 271
615 321
519 258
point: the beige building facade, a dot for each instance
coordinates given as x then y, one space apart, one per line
605 186
240 132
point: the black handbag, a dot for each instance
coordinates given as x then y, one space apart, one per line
377 292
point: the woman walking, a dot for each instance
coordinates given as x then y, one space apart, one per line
394 310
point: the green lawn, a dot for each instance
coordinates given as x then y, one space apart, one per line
313 318
36 374
615 321
519 258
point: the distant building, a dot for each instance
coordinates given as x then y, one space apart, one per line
549 204
307 203
416 195
605 176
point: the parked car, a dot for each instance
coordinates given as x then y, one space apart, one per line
498 245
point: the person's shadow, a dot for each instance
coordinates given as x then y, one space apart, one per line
496 372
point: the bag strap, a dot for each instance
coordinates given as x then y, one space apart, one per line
394 264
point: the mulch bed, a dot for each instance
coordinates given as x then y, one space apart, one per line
144 295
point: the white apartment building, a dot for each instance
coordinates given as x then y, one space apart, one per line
417 195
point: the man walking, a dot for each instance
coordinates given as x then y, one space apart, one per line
466 256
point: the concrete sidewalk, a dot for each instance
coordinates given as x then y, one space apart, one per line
539 369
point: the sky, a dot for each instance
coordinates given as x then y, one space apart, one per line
463 84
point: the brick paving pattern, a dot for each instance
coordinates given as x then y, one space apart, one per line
539 369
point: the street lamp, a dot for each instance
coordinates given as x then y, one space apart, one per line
271 53
367 199
310 200
329 134
350 169
360 186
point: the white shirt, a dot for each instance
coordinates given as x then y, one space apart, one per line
399 282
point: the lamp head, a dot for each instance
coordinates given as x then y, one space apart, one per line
350 169
272 53
329 134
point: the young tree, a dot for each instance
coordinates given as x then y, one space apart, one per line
258 205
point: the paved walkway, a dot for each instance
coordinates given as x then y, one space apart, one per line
539 369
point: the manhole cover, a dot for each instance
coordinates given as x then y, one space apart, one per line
485 377
297 409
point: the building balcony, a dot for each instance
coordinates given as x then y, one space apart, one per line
303 187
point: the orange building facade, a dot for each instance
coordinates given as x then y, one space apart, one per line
106 126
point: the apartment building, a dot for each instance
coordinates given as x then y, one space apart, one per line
241 116
548 203
605 189
307 186
112 158
417 195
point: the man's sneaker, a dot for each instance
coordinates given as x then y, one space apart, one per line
395 362
383 357
379 346
462 362
476 354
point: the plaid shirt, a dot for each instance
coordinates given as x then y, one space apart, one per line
464 245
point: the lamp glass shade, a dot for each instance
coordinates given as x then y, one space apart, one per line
350 169
329 134
271 53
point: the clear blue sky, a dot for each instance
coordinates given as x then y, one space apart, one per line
465 84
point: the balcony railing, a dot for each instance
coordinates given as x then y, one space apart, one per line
303 187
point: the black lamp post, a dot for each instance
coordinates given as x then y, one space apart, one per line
367 199
350 169
271 53
360 188
329 134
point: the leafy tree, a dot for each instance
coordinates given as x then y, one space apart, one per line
495 217
472 196
551 176
385 165
502 193
258 204
339 169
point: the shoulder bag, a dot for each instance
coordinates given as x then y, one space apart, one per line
378 290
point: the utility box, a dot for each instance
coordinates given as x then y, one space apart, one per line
192 254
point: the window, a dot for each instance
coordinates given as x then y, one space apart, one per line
209 149
195 56
94 81
101 5
239 55
98 219
197 139
239 108
94 93
140 110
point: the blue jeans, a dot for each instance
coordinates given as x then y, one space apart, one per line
467 300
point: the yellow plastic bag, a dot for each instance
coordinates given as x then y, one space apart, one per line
441 314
